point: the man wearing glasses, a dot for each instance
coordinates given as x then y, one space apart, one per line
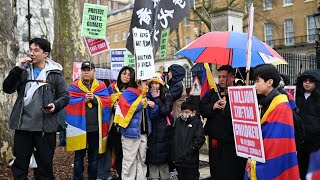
42 93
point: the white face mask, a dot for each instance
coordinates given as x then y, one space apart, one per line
186 116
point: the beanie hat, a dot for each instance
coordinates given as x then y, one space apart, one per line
159 77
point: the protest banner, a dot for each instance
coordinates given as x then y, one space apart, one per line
117 59
291 90
129 59
106 74
76 70
96 46
246 122
94 21
145 68
164 43
195 88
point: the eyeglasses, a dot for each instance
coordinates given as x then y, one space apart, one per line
308 80
35 51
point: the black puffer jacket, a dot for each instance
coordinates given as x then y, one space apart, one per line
54 92
161 136
188 138
310 108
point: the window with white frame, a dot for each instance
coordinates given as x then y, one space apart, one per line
124 35
268 33
267 4
288 32
115 37
187 40
311 29
287 2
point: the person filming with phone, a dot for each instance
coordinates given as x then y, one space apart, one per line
42 93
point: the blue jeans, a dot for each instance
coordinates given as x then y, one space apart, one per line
93 151
104 163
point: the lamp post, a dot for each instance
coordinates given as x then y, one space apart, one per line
316 17
28 17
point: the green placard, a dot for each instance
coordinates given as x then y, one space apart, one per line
164 43
94 21
129 59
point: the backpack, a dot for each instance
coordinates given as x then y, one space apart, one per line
299 131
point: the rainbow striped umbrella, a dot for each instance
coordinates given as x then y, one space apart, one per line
216 48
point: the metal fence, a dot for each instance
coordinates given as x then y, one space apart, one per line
297 64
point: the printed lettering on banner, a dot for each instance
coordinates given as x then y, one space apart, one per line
143 49
246 122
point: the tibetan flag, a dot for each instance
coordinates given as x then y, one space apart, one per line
207 81
128 103
76 114
314 166
279 144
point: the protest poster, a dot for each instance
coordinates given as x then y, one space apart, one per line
164 43
76 70
246 122
129 59
145 68
96 46
117 59
291 90
195 88
106 74
94 21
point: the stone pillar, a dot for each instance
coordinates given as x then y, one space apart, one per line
224 20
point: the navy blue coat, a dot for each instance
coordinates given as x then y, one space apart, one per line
160 138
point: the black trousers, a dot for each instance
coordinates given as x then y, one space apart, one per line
224 162
186 173
39 143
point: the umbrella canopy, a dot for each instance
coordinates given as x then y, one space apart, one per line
216 48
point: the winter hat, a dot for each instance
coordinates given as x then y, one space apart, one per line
159 77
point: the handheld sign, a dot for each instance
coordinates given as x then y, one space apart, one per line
291 90
76 70
129 59
96 46
195 88
117 59
145 68
94 21
246 122
164 43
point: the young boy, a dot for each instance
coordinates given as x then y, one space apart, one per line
277 129
187 140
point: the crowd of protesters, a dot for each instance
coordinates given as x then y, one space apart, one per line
149 129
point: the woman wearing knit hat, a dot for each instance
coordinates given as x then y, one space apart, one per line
159 139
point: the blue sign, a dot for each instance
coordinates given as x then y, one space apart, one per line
117 59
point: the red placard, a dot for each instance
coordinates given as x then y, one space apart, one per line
246 122
97 46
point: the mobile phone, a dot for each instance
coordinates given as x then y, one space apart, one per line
46 107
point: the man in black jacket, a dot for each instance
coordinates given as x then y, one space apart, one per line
188 138
224 163
42 93
308 102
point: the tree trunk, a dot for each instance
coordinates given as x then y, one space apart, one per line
8 52
68 46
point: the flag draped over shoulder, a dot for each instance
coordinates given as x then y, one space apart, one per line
207 81
279 143
128 103
314 166
76 115
115 93
156 15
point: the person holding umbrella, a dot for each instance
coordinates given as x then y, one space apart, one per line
224 163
